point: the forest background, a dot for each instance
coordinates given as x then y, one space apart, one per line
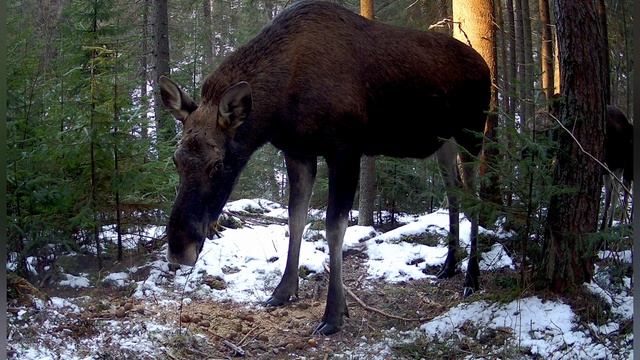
88 146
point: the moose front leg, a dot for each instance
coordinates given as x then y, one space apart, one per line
301 173
343 179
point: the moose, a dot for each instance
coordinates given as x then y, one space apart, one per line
618 151
320 80
618 155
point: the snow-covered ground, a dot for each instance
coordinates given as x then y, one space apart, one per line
249 261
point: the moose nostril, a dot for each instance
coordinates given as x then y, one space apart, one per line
188 256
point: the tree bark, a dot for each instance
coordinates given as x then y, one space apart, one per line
475 22
501 43
367 163
546 49
165 124
144 74
602 14
208 37
520 55
568 247
528 65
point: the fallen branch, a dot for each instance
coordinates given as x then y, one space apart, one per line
237 349
375 310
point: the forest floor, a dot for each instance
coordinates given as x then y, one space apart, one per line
143 309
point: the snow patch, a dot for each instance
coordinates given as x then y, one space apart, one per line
546 328
76 281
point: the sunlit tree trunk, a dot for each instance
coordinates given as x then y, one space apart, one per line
546 49
367 163
572 216
475 22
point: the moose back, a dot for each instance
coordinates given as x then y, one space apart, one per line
320 81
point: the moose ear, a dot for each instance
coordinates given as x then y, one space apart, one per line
235 105
176 100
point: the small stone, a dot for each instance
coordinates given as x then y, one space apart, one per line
121 312
303 306
215 282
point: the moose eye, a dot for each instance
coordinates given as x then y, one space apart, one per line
217 166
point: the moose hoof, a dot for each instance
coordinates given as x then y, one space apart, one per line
274 301
445 273
467 291
326 329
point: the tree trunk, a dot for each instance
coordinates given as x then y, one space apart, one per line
572 217
475 22
520 55
546 49
513 64
528 65
367 163
501 43
144 74
556 64
164 123
208 38
116 165
92 139
367 190
602 14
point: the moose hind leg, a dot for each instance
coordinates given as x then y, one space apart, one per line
471 283
447 158
343 179
301 173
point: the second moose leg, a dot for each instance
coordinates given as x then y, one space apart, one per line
343 180
301 173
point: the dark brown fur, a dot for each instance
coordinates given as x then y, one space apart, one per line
322 81
618 155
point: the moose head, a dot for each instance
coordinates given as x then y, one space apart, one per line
206 160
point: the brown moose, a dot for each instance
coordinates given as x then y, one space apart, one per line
323 81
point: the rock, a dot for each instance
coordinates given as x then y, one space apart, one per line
185 318
121 312
312 342
215 282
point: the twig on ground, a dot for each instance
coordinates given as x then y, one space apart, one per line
169 354
375 310
246 335
237 349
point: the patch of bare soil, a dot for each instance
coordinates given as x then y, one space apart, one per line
285 332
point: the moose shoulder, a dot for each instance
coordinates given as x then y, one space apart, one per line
320 81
